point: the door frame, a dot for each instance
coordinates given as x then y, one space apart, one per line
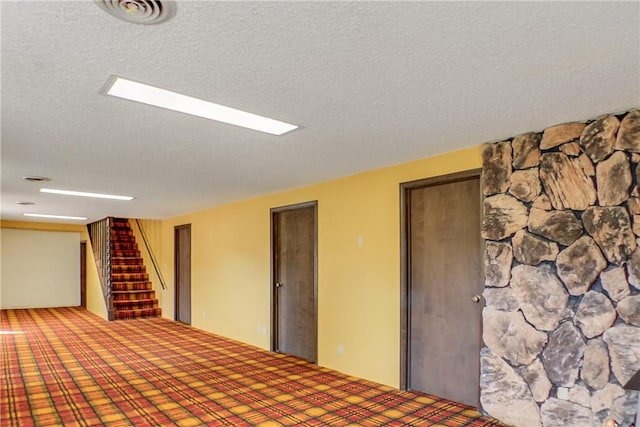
176 302
273 267
405 268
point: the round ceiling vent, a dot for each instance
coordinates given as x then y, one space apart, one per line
33 178
144 12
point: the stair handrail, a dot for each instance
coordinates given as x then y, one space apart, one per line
151 255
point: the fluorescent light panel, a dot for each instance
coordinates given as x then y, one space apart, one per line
83 194
79 218
140 92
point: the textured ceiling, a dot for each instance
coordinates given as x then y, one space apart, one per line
371 83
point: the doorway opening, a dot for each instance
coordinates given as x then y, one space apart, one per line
441 286
294 288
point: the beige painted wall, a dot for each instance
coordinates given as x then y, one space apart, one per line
39 268
95 300
358 285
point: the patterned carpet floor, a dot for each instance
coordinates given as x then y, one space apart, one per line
68 367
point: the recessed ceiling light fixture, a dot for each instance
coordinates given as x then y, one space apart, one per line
83 194
151 95
32 178
78 218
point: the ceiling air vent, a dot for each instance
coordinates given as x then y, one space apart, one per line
144 12
33 178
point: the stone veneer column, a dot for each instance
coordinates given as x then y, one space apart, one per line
561 224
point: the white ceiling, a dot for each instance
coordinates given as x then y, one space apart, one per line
371 83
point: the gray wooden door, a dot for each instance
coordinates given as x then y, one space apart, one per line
443 277
294 308
182 241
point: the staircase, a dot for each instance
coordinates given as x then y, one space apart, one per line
131 291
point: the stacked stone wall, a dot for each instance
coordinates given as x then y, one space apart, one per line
561 323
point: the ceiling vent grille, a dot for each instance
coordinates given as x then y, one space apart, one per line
33 178
144 12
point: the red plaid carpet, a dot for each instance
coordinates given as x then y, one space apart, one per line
68 367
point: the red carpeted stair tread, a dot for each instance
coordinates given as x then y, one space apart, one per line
123 239
119 241
125 253
123 247
129 277
131 286
126 269
132 291
121 231
135 304
134 314
121 260
146 302
133 295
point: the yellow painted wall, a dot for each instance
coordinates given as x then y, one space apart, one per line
45 226
95 300
358 286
